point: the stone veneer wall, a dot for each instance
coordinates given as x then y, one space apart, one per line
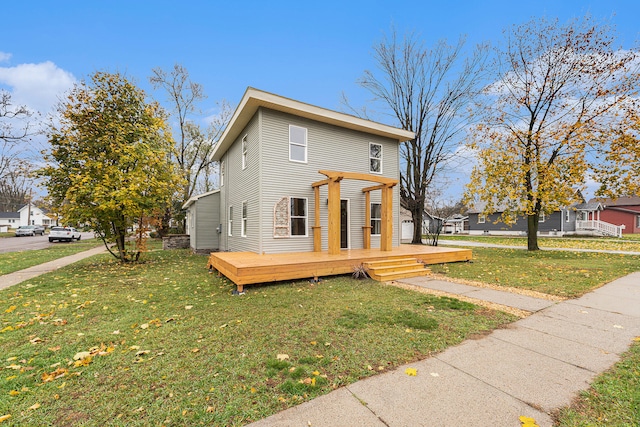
176 241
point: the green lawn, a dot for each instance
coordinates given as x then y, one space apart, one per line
561 273
613 399
15 261
629 242
165 343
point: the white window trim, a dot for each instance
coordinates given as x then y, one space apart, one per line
230 221
376 219
306 218
482 219
567 216
243 223
305 145
244 148
541 217
381 157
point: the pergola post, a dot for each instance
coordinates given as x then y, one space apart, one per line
334 216
366 229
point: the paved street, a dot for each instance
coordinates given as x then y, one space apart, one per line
26 243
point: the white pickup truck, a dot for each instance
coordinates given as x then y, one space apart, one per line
63 234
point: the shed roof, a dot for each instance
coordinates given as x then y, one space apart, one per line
194 199
255 98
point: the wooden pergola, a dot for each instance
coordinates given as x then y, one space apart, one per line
333 183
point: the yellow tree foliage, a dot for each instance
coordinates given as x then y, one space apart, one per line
109 164
556 100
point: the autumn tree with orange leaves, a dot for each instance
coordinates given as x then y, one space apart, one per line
558 98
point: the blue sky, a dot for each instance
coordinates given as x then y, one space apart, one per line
309 51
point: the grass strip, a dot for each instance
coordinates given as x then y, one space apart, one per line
560 273
16 261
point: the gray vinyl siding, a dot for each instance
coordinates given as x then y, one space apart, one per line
552 222
328 147
241 185
207 221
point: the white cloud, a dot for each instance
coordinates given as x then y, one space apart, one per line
38 86
4 57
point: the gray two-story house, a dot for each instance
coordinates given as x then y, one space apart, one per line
271 153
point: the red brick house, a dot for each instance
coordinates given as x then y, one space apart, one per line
622 211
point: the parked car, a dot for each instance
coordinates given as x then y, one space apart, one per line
29 230
63 234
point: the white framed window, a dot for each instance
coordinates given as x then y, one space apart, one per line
567 216
243 224
297 144
376 219
244 152
221 173
375 158
298 217
541 218
230 222
637 220
482 219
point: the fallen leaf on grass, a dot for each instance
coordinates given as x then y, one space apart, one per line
412 372
56 348
10 309
14 393
5 418
188 307
34 406
81 355
211 409
282 356
50 376
35 340
83 362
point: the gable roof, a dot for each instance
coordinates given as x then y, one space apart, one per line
194 199
620 201
254 99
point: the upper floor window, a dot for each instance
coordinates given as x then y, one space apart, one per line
297 144
376 219
244 152
375 158
298 217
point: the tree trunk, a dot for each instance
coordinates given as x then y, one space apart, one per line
416 214
532 232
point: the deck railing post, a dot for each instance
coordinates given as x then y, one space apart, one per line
386 232
366 229
333 229
317 231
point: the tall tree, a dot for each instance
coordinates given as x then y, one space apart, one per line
558 93
109 161
428 89
193 145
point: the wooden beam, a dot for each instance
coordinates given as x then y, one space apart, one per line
374 188
320 183
335 175
333 229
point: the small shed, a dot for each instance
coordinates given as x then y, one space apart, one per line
203 222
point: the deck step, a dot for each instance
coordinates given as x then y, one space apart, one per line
395 269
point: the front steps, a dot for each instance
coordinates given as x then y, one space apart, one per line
394 269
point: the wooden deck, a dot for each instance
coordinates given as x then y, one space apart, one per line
245 268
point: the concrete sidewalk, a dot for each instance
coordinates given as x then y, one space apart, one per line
533 367
31 272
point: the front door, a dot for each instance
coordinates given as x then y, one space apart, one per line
344 224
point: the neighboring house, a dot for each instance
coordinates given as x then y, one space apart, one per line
430 223
33 215
623 211
278 181
10 219
203 221
581 218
